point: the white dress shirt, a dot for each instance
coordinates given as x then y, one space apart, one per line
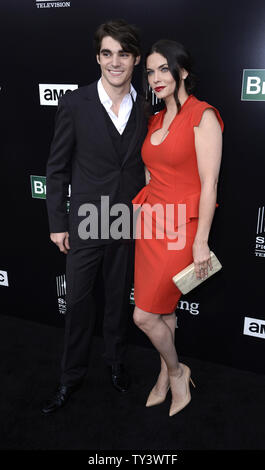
121 120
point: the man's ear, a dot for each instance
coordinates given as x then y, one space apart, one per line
137 60
98 61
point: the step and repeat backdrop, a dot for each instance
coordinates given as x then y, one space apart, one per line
47 49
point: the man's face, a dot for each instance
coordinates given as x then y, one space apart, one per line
116 64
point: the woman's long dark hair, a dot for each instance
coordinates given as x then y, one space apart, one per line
178 57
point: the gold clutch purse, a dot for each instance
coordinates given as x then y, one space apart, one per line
186 279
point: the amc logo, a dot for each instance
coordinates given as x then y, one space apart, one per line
3 278
253 85
254 327
49 94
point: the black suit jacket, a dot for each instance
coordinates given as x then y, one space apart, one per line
82 154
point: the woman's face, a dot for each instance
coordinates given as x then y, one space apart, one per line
159 76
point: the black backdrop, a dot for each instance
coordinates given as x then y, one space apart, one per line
51 43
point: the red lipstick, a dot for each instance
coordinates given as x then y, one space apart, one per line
159 88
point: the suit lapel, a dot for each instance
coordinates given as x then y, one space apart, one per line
137 133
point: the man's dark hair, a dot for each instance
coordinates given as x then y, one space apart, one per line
126 34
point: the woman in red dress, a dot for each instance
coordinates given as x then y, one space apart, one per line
182 155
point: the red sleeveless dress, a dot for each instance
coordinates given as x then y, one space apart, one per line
174 180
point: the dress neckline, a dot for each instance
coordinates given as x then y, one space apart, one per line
161 120
183 106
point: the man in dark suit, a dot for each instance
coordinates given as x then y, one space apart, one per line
96 147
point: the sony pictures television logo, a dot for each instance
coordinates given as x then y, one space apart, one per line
253 85
260 232
50 93
61 293
45 4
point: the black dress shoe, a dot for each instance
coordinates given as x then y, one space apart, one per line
60 397
119 377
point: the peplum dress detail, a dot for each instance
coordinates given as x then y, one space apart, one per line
174 180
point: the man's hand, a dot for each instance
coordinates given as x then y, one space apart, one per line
61 240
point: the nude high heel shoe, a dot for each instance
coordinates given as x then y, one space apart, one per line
155 399
186 398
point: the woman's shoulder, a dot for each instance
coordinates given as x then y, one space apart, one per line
197 108
196 103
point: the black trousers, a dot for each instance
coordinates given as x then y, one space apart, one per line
82 264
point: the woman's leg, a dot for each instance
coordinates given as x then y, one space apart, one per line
161 333
163 378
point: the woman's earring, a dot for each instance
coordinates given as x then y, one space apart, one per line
154 97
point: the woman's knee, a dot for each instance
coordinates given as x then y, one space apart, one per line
138 317
142 319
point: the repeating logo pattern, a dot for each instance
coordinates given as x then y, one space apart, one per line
253 89
61 293
50 93
191 307
260 233
4 279
45 4
38 186
38 189
254 327
253 85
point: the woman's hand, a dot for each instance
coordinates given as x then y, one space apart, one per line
201 258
